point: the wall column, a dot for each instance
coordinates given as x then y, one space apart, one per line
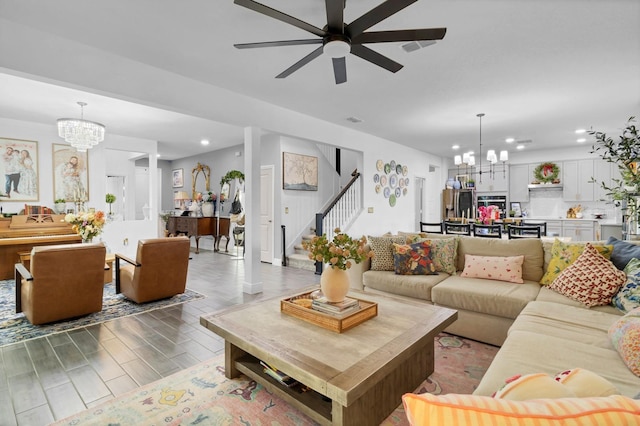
253 282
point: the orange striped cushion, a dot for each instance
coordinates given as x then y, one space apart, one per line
461 410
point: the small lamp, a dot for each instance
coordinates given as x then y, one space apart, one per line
181 196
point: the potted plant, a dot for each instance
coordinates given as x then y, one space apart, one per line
471 183
61 205
110 199
625 153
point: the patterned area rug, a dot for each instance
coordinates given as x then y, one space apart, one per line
15 327
202 395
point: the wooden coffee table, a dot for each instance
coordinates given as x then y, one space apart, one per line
355 378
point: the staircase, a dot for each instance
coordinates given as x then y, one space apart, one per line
340 213
300 257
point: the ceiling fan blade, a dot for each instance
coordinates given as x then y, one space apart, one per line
276 14
400 35
302 62
375 15
335 16
340 70
375 58
278 43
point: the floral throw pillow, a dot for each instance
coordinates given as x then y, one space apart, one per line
444 252
564 254
628 298
625 337
591 279
413 259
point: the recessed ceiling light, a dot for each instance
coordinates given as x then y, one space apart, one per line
581 140
509 140
158 155
520 147
204 142
580 131
455 147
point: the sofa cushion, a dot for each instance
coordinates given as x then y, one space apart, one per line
382 259
413 259
628 297
491 297
564 254
567 322
623 252
415 286
547 295
591 279
530 248
468 410
526 352
625 336
494 268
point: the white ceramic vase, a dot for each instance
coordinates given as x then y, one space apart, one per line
207 209
334 283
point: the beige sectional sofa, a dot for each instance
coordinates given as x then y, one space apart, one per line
538 329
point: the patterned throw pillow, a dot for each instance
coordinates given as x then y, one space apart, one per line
625 337
427 409
494 268
628 298
383 256
591 279
444 253
564 254
623 252
413 259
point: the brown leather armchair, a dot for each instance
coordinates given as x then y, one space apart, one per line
159 270
64 281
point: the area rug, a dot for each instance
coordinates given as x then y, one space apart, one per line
201 395
16 328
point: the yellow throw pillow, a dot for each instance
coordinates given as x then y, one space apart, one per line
473 410
564 254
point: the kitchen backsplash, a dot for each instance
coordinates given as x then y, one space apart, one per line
549 204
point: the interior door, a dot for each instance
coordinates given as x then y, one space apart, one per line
266 214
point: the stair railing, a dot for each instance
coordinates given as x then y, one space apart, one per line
341 212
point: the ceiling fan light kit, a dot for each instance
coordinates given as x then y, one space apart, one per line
338 39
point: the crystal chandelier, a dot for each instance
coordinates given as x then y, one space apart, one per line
80 133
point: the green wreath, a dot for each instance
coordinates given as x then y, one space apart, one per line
231 175
546 172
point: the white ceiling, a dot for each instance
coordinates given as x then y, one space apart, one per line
538 69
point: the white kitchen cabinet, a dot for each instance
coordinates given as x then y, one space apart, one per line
554 228
520 176
603 171
579 230
499 182
576 175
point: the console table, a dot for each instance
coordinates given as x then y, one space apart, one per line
196 227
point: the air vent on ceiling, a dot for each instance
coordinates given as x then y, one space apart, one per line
354 119
524 142
412 46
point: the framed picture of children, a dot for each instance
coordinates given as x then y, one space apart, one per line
70 174
19 167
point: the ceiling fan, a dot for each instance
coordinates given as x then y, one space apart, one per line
337 39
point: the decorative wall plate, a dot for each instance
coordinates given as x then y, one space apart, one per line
376 178
398 192
399 169
387 168
392 200
379 165
387 192
383 180
393 180
405 170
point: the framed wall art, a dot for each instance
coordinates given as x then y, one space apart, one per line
178 178
19 168
70 173
299 172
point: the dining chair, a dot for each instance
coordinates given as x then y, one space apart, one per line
487 231
457 228
542 225
431 227
524 231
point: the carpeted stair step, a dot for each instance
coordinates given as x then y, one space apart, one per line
301 261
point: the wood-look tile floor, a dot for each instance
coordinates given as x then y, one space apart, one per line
52 377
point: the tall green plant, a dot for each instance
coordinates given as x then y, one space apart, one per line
625 153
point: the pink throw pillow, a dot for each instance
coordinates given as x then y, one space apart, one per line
494 268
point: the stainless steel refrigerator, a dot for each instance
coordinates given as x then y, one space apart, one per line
457 203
